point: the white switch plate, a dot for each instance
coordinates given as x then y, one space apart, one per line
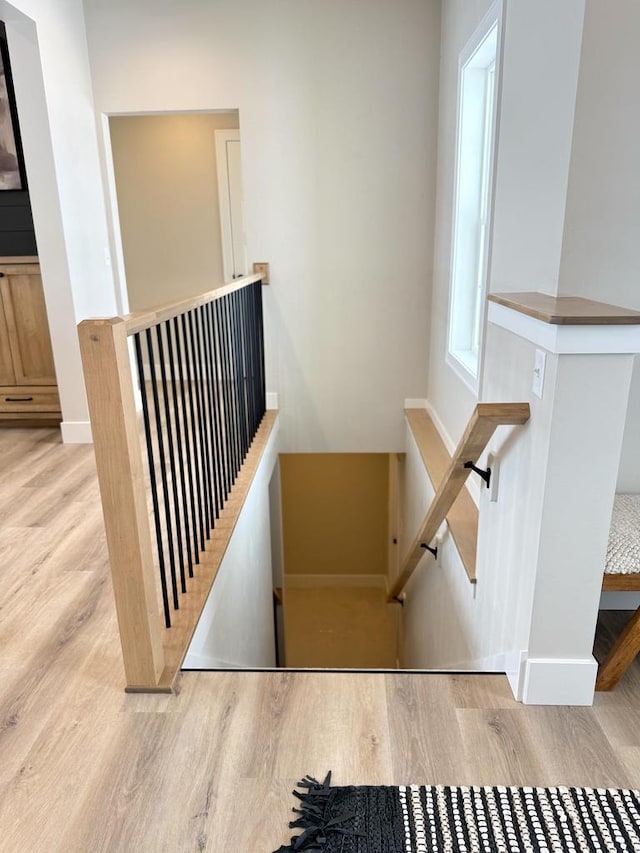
538 372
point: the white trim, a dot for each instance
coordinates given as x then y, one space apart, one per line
415 403
444 435
559 681
114 228
272 401
567 340
297 581
222 167
515 673
199 661
493 18
463 373
619 600
76 432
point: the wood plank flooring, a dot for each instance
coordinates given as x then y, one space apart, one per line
340 627
84 767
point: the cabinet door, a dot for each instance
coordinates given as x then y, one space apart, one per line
7 375
26 318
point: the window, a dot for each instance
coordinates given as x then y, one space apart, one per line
472 202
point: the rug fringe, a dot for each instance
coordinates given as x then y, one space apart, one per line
317 817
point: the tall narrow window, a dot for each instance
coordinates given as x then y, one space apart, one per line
472 203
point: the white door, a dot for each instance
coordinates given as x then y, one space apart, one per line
234 260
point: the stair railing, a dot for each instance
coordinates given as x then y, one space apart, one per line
170 469
483 423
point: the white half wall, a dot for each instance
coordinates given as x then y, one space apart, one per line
236 626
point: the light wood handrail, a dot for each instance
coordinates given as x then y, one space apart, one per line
483 423
141 320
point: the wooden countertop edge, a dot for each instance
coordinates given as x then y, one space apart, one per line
566 310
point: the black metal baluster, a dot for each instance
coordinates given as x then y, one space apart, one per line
252 361
152 478
242 344
177 545
224 485
211 434
206 408
258 364
239 370
256 359
180 441
260 327
246 346
233 433
225 394
213 404
163 470
187 444
204 467
193 435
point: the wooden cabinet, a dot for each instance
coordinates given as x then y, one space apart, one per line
28 391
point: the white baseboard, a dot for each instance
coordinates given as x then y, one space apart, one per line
311 581
614 600
444 435
502 662
515 673
551 681
415 403
76 432
272 401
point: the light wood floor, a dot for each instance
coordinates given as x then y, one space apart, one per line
340 627
84 767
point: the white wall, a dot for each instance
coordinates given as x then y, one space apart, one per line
601 248
338 109
53 91
236 626
534 133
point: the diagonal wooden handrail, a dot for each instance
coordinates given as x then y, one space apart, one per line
483 423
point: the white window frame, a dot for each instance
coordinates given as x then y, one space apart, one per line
467 312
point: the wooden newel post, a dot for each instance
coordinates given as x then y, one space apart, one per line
114 423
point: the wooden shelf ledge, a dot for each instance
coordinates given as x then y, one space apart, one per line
462 518
566 310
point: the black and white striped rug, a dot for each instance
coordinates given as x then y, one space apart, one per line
419 819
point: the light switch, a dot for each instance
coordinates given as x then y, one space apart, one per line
538 372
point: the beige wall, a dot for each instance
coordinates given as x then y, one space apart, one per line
334 513
167 188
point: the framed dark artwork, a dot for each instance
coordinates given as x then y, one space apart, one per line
11 167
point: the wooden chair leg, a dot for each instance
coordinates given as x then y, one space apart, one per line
621 656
